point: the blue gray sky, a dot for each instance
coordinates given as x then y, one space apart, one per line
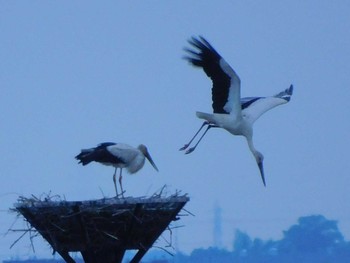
74 74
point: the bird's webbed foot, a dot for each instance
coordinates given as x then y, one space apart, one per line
184 147
190 150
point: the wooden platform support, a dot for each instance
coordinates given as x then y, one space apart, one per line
102 230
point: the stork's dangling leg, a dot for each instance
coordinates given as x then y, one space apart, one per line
115 182
188 144
120 181
194 147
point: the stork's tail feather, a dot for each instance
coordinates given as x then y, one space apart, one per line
286 94
85 157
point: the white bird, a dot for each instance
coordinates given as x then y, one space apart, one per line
118 155
230 112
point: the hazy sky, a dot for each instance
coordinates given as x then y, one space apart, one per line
74 74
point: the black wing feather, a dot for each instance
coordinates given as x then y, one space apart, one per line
98 154
209 59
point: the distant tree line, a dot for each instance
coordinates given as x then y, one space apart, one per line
313 240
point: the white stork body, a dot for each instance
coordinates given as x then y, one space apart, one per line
230 112
118 155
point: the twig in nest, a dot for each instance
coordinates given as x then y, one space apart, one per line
164 250
14 222
58 227
174 227
156 194
31 238
168 243
187 212
18 239
110 235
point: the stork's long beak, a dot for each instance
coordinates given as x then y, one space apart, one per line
261 168
149 158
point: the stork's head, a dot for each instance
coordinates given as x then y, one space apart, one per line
145 152
259 160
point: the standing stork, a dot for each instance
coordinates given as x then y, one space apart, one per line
230 112
118 155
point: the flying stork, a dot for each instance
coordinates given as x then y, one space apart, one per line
230 112
118 155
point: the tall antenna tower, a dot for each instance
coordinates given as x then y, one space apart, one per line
217 233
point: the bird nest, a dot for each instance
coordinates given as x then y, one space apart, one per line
97 227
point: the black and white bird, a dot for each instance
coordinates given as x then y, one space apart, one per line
230 112
118 155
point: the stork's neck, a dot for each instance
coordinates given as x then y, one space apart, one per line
258 155
251 146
